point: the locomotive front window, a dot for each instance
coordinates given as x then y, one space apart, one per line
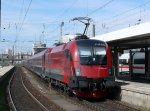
100 55
99 51
85 51
92 53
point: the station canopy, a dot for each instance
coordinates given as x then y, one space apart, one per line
137 36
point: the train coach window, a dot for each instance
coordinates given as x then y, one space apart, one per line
139 61
123 61
68 55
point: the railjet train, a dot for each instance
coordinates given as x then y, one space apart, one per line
81 67
138 64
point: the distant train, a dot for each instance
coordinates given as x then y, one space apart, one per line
138 63
81 67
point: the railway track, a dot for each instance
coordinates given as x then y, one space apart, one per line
94 105
21 99
88 105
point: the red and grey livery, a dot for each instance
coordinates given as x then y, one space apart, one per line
81 67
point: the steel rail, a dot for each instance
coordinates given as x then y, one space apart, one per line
33 97
9 93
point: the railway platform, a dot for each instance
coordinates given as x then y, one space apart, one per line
4 70
135 92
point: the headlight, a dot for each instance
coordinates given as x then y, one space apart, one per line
77 71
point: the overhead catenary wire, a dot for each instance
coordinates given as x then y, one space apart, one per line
21 11
17 24
68 9
101 7
25 15
118 21
62 15
129 10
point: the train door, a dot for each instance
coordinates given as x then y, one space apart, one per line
139 63
124 63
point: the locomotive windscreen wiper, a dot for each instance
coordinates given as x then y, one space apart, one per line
95 60
89 61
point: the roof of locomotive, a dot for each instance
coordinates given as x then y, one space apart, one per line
61 47
90 40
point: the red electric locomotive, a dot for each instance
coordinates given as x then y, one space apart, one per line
79 67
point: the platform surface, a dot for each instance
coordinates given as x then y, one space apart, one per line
135 93
135 86
4 70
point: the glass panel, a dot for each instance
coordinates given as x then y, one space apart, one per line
85 51
139 61
92 55
99 51
100 55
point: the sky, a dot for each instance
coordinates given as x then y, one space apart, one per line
25 22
